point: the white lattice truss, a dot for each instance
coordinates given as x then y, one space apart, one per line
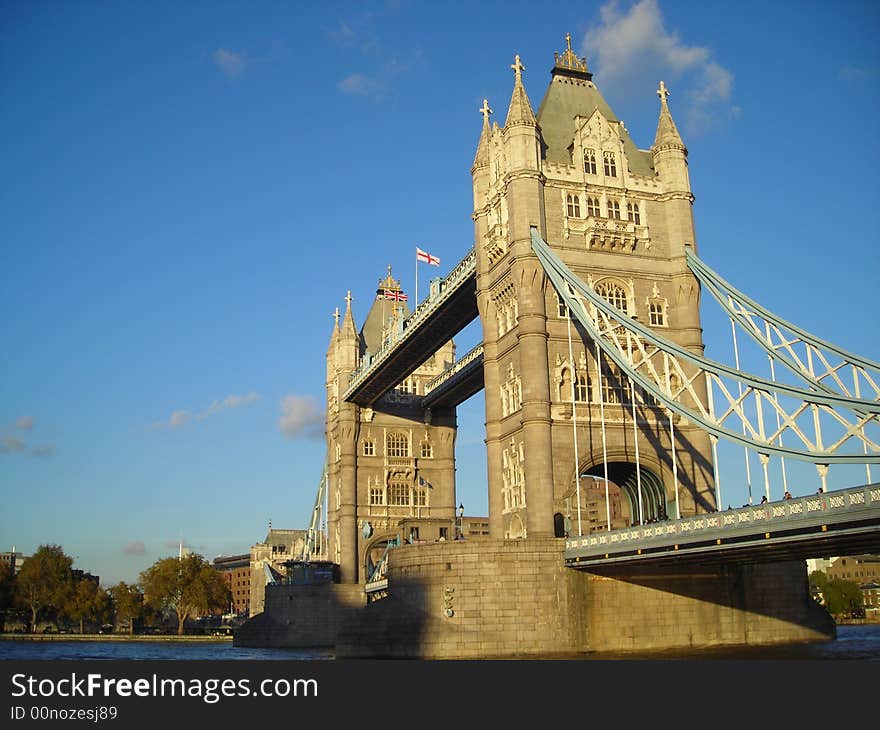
817 424
820 363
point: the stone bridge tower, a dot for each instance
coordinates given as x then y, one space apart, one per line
390 468
621 218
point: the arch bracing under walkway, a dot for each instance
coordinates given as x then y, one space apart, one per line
818 426
822 364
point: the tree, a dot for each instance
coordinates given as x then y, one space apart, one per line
88 603
189 586
45 582
128 603
840 597
7 591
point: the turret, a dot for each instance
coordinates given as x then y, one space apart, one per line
347 349
522 138
669 152
480 168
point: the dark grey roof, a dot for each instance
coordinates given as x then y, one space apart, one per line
568 97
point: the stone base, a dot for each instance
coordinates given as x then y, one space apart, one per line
298 616
483 599
514 598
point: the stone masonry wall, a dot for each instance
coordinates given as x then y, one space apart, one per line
302 616
509 598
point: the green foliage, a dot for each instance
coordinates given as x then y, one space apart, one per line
128 604
189 586
7 586
88 603
840 597
45 582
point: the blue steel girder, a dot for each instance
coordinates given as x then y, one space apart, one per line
434 322
674 376
818 362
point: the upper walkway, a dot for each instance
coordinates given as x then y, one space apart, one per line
450 307
843 522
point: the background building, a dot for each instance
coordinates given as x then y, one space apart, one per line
236 571
267 558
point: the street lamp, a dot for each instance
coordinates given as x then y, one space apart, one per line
461 521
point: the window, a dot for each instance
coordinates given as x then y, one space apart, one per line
610 164
632 213
582 388
444 533
562 310
656 315
614 209
573 205
590 162
398 495
613 294
377 496
593 208
420 496
369 447
397 444
427 450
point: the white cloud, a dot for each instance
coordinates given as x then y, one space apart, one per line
634 50
230 401
178 419
359 85
11 445
181 417
25 423
301 418
136 547
231 64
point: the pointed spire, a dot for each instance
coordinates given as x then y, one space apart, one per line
481 159
520 110
667 133
348 328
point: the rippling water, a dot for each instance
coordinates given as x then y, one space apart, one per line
852 642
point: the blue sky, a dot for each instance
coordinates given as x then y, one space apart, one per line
189 190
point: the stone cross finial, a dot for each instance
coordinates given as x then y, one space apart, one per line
485 110
662 92
568 41
336 316
348 298
518 68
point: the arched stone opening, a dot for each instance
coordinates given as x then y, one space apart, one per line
375 551
628 479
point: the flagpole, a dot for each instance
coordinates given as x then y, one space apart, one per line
416 304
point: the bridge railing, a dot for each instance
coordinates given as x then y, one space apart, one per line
730 523
447 287
456 368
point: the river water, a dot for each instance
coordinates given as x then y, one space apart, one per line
859 642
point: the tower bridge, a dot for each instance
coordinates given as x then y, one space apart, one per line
602 413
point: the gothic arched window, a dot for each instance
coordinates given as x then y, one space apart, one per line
610 164
573 205
593 208
590 161
614 210
613 293
396 444
632 213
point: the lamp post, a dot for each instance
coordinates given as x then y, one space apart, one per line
461 521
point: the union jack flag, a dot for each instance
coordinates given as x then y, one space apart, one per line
397 296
